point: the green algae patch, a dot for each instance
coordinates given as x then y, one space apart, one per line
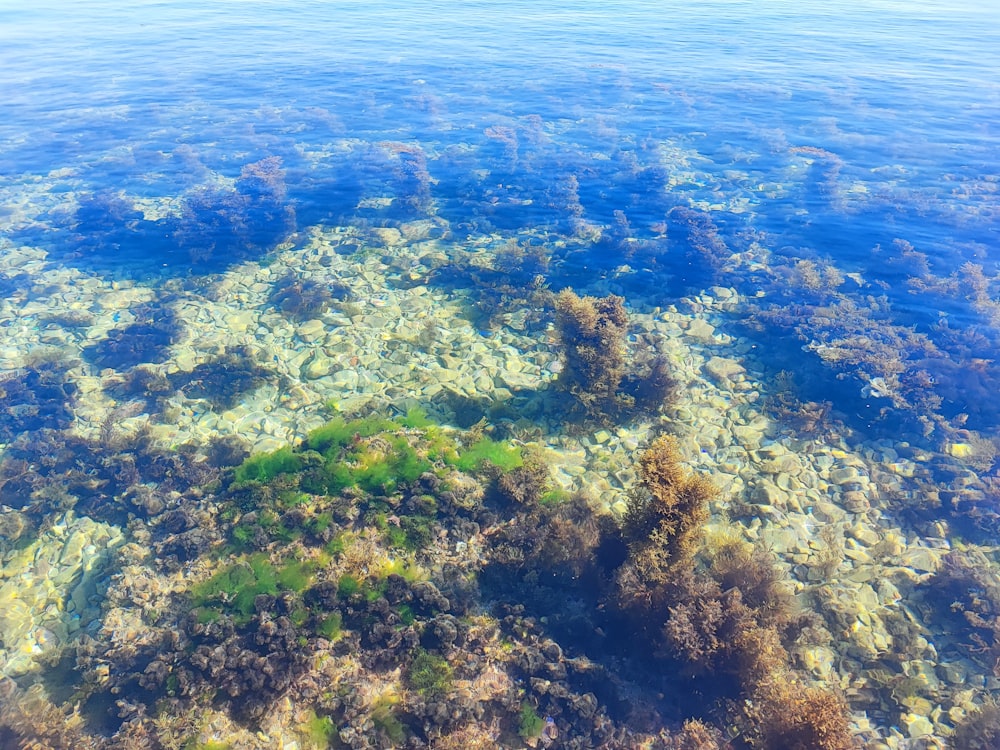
330 627
233 590
416 418
367 454
348 586
529 723
429 674
384 718
340 432
485 451
317 732
264 467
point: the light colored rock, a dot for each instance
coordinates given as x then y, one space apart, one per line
701 330
786 464
845 475
319 366
311 331
921 559
917 725
723 370
855 501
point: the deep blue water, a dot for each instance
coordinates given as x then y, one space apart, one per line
717 143
841 129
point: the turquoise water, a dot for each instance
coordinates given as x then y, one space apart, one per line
815 182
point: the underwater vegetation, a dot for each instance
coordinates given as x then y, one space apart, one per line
35 398
963 596
220 220
225 379
147 339
239 222
423 603
980 730
603 380
304 299
511 289
119 477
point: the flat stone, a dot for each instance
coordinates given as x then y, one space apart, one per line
917 726
318 367
863 534
747 435
311 330
767 492
786 464
845 475
921 559
723 369
701 330
855 501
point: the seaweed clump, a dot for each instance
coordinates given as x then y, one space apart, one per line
34 398
305 299
146 340
598 373
367 580
980 730
716 611
222 223
225 379
964 596
666 512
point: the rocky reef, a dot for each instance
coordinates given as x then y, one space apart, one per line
389 583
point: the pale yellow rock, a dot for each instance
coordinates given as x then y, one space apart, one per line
701 330
723 369
311 331
917 725
960 450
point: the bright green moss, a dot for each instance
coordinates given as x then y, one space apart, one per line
554 497
439 446
336 546
264 467
429 674
406 614
295 575
317 732
530 724
242 536
406 463
376 469
348 586
416 418
405 569
338 432
299 616
234 588
501 455
329 627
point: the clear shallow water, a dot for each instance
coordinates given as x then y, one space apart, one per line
835 166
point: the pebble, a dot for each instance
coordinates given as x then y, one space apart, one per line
701 330
311 331
917 725
722 369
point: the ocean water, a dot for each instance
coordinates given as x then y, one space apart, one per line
229 221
